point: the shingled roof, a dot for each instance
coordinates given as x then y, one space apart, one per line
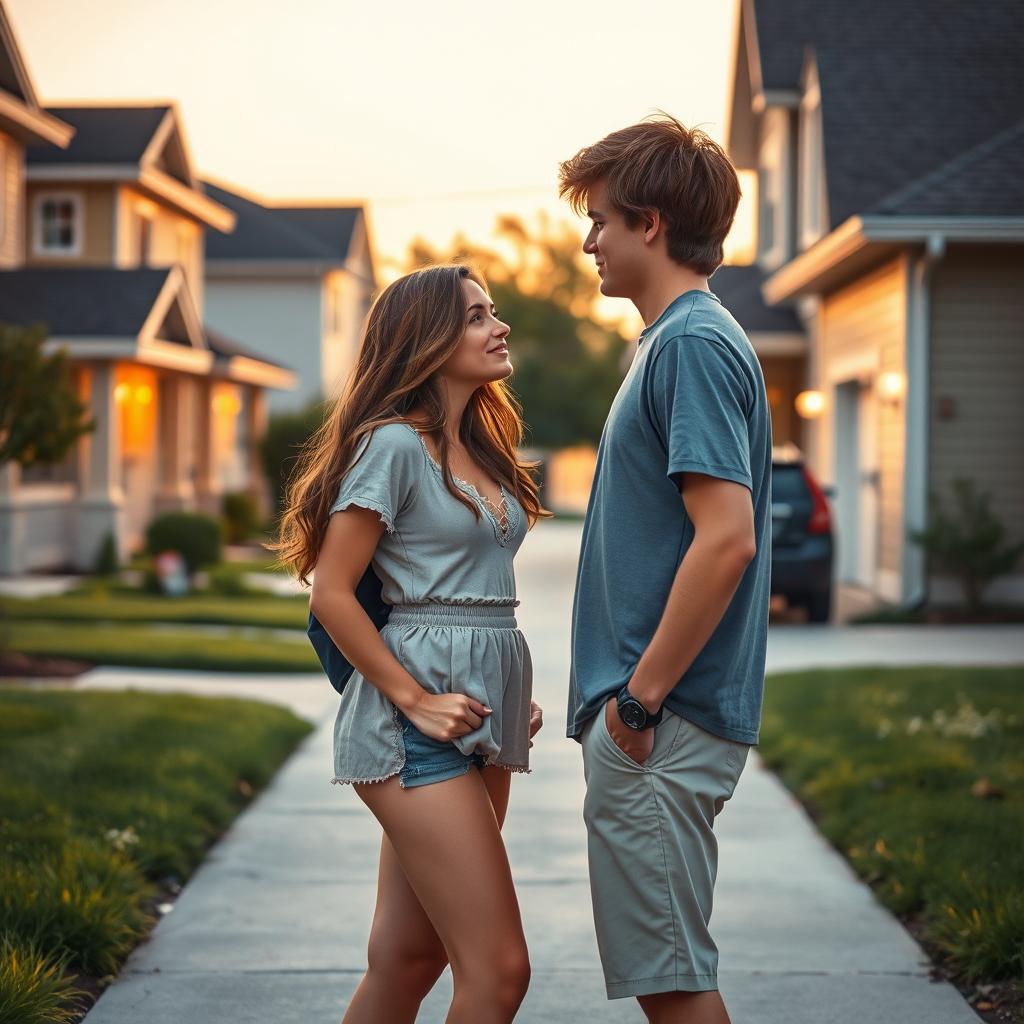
81 302
905 86
987 181
739 288
315 233
103 135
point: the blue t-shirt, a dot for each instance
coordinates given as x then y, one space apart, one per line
693 401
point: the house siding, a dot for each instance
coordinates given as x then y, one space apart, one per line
279 318
97 225
977 364
862 335
12 195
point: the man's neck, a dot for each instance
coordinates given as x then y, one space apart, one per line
662 290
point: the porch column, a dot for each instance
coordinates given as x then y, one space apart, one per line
101 501
257 418
174 443
12 523
207 485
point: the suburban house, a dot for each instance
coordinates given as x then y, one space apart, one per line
296 282
888 143
102 223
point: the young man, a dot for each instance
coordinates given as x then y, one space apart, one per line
670 619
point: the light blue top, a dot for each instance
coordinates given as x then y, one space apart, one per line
434 550
693 401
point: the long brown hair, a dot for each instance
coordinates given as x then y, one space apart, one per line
414 325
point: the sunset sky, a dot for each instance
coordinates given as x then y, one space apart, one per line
440 115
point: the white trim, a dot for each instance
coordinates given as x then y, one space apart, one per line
916 418
857 234
77 201
175 290
42 494
187 200
772 168
81 172
270 268
244 370
883 228
810 190
779 343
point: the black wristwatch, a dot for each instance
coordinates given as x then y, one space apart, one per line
633 713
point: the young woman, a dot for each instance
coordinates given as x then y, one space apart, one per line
416 471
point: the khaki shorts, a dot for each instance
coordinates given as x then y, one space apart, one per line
653 854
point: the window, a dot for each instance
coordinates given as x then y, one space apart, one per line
144 232
58 224
812 172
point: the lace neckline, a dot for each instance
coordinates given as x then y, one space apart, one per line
499 516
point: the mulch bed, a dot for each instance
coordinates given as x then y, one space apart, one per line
30 666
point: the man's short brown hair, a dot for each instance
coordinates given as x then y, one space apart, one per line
659 164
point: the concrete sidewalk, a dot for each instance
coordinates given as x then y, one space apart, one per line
273 926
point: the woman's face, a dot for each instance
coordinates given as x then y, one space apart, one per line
482 355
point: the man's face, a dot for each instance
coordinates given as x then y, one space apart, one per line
618 250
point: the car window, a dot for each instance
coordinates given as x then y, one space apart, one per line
788 483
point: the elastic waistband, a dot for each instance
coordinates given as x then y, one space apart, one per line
488 616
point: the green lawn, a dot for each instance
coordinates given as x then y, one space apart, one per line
917 776
119 606
104 797
153 646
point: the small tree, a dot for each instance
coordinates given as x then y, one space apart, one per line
41 415
286 434
970 541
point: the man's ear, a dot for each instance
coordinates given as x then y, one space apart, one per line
651 224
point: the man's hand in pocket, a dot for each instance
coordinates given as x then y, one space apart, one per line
637 746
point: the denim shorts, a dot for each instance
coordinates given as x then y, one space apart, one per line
428 760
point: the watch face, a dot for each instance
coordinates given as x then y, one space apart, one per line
633 714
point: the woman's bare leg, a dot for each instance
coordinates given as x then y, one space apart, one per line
405 954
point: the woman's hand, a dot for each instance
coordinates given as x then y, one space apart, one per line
446 716
536 719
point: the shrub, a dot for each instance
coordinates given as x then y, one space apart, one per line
241 515
34 986
107 563
970 541
196 537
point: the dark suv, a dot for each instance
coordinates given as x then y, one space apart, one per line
801 536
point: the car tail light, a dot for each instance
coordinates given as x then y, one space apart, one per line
821 518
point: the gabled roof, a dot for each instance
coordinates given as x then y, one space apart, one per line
319 234
144 314
140 145
103 135
986 181
20 112
82 302
904 84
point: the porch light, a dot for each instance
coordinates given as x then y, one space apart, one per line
891 386
121 393
810 404
143 394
